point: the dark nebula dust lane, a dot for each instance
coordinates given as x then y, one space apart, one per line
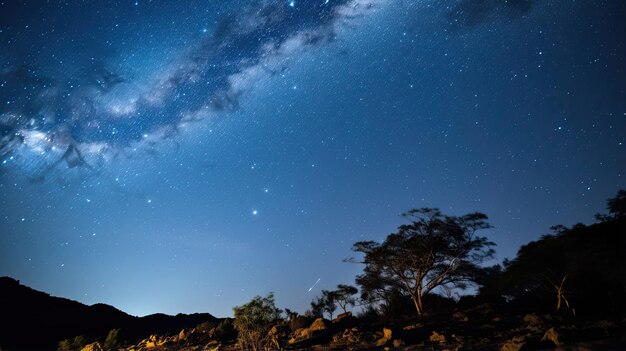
99 107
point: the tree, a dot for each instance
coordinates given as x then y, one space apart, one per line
434 250
580 267
254 319
617 205
344 296
324 304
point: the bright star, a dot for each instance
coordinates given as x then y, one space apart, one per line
254 212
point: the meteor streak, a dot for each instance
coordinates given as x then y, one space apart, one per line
311 288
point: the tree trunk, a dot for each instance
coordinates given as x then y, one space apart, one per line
417 301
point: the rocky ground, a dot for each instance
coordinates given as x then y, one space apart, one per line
478 329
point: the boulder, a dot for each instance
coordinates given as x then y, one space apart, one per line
398 343
182 335
553 336
92 347
534 322
298 322
278 334
305 333
344 320
387 334
341 317
437 338
514 344
319 324
319 328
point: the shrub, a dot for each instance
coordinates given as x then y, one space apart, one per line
253 321
112 341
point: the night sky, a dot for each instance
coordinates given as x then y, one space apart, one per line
187 156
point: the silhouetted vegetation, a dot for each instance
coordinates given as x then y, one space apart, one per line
254 319
344 296
225 330
578 271
112 340
74 344
433 251
566 287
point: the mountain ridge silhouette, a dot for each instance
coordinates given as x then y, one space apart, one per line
35 320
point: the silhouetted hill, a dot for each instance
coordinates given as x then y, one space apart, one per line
34 320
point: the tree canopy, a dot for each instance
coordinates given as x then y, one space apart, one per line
433 250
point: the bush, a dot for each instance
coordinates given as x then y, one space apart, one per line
75 344
254 320
112 341
225 331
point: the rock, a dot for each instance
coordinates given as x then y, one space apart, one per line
412 327
305 333
318 328
437 338
342 317
514 344
278 334
460 317
151 345
298 322
534 322
387 334
349 337
319 324
182 335
344 320
553 336
398 343
92 347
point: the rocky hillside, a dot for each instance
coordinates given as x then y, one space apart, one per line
34 320
482 328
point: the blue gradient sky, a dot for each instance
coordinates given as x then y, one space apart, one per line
174 158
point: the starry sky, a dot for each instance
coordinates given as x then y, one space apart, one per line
173 157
